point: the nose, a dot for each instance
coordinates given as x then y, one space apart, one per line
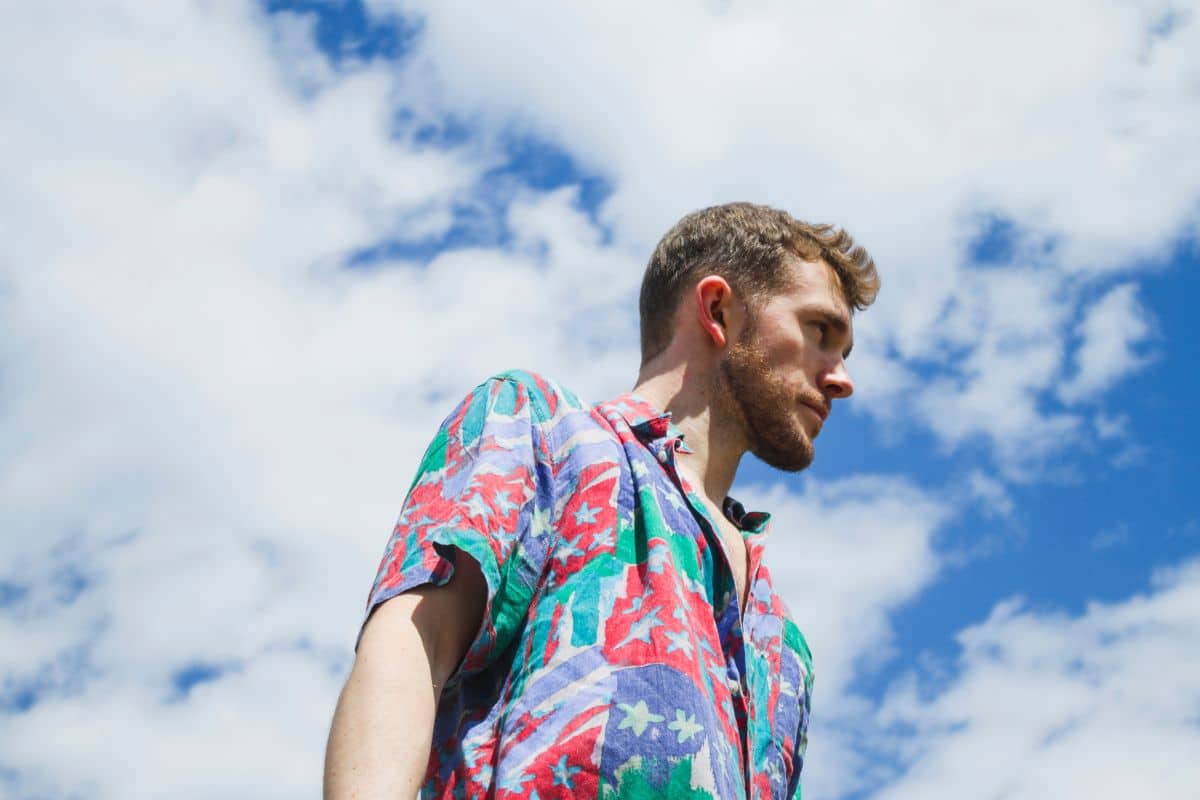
836 382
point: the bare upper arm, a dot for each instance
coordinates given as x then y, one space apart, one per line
445 619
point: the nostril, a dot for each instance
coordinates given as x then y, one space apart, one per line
840 389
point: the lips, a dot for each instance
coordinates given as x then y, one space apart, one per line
821 410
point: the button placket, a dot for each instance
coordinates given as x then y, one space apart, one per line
728 616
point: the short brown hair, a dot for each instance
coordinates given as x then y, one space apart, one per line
745 244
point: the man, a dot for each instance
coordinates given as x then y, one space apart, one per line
571 605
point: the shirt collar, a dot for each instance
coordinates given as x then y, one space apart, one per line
648 422
748 521
654 428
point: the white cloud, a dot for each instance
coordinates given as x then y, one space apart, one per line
854 112
251 733
1049 705
1113 536
1114 427
1112 330
989 494
1006 325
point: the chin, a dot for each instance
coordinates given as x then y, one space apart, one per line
795 455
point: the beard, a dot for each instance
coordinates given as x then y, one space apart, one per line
767 407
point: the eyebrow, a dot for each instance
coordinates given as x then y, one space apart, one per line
835 319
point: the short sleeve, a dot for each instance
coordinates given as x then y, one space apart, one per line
483 489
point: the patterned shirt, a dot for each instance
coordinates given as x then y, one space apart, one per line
612 660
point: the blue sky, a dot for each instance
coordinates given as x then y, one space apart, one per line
261 249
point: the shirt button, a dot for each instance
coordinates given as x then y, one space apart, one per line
662 456
735 687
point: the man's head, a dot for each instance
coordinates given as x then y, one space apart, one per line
769 299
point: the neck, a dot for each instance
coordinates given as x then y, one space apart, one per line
716 445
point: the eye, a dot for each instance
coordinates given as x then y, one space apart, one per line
822 329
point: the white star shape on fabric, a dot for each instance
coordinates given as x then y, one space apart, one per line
513 783
641 629
563 773
586 515
601 540
539 522
637 717
679 640
567 552
685 726
674 499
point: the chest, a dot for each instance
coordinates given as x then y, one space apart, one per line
733 546
633 666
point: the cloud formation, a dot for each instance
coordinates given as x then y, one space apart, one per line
1112 330
1071 707
211 402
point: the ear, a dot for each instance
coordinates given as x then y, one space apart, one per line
716 309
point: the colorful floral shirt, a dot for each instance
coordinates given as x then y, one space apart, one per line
612 660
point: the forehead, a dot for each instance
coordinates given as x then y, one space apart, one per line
811 283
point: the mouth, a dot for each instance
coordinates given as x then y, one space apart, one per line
821 411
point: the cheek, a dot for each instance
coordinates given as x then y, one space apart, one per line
794 362
783 348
